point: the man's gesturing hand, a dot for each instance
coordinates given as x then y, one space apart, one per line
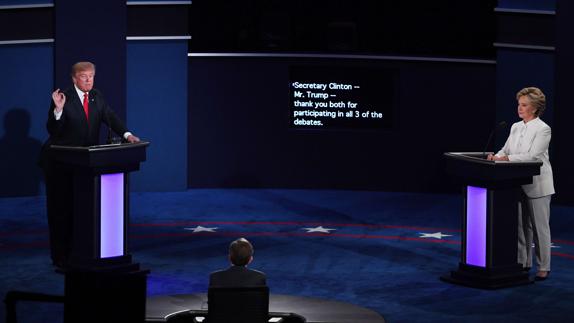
59 100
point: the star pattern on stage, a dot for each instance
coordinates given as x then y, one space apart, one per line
199 228
436 235
318 229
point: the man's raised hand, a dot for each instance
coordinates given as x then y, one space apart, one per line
59 100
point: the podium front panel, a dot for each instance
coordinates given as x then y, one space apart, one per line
476 199
491 191
112 215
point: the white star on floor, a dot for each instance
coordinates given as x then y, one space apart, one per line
199 228
318 229
436 235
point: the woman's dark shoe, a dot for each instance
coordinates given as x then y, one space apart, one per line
541 275
526 269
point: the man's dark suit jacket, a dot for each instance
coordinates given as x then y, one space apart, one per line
72 128
237 276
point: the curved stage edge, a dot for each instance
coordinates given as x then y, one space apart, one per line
160 308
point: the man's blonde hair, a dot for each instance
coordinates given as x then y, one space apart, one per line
82 66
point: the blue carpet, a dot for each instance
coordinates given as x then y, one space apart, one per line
376 257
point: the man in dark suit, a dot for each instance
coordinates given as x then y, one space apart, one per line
238 275
74 119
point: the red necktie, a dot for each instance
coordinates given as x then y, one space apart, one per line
86 107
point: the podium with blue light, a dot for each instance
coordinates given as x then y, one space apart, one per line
102 282
491 194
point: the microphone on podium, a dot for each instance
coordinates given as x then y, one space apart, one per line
500 125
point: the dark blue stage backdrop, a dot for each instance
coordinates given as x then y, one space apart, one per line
564 176
88 30
241 133
25 85
230 125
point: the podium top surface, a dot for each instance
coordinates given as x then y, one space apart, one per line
118 157
101 148
473 167
478 158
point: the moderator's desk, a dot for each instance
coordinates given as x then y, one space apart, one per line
159 308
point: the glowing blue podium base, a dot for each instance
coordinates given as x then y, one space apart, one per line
102 284
101 201
489 220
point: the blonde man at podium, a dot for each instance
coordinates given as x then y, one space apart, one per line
74 119
528 140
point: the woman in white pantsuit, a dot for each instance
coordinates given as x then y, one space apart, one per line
528 140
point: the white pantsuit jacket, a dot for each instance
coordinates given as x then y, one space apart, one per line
526 142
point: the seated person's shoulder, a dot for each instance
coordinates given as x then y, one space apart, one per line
217 273
261 278
237 277
257 272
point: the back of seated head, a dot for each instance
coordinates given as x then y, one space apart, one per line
240 252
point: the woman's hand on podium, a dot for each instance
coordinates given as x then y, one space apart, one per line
496 158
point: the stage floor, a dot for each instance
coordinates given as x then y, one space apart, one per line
381 250
160 308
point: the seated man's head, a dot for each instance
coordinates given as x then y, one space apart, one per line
240 252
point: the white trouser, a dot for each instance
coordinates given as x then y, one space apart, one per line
534 225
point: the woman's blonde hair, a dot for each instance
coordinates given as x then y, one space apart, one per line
537 98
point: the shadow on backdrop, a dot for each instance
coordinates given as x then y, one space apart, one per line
19 172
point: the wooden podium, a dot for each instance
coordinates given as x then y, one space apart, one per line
491 191
102 282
